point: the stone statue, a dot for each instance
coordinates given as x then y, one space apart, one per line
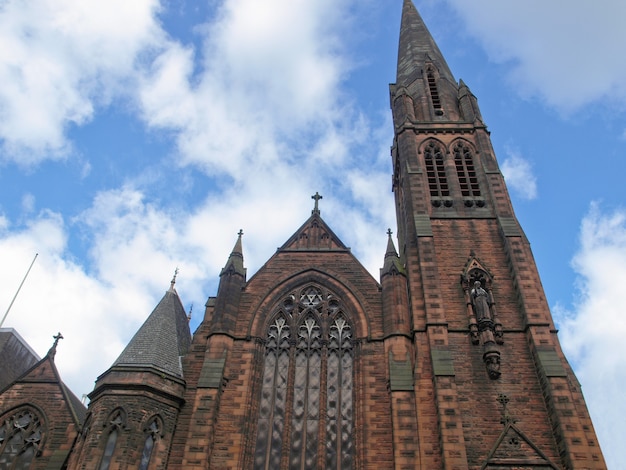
480 299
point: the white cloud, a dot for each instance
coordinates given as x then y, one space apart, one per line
568 53
519 175
267 88
60 59
592 334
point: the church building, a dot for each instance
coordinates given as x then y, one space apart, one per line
449 360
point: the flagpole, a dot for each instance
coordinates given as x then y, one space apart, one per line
18 290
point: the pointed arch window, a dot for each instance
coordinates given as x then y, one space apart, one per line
465 169
435 171
306 403
115 423
152 433
21 438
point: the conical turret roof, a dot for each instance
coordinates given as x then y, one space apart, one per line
162 339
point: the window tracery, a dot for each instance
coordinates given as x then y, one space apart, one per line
465 169
306 398
152 432
115 423
21 438
436 171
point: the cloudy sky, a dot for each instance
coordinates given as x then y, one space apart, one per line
137 137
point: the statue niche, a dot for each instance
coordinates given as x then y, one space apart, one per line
484 327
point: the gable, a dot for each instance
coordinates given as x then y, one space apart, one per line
314 234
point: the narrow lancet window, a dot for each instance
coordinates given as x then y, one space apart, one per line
117 421
435 171
152 433
466 171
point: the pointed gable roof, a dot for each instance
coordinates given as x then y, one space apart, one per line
314 235
416 48
45 373
162 339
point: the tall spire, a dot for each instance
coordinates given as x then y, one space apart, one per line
417 47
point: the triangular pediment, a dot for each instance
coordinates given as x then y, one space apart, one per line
45 376
315 235
514 449
474 263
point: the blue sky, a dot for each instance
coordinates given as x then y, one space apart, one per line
137 137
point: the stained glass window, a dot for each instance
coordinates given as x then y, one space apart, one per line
152 433
116 421
21 438
306 401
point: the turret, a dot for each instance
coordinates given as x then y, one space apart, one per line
232 280
394 287
123 427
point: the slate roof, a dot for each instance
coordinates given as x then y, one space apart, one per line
16 356
162 339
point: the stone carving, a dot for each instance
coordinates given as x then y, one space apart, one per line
484 327
480 299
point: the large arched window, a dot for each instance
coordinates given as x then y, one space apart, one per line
306 404
435 170
21 438
464 162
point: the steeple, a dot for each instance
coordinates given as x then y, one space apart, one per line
417 48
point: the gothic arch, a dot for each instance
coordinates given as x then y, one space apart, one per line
355 304
462 141
466 162
152 433
113 426
305 413
23 432
434 155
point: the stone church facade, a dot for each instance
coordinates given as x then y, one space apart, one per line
450 360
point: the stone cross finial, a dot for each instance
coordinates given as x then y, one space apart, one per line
53 349
317 197
389 232
57 337
240 233
173 281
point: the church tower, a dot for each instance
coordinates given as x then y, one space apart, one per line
492 386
